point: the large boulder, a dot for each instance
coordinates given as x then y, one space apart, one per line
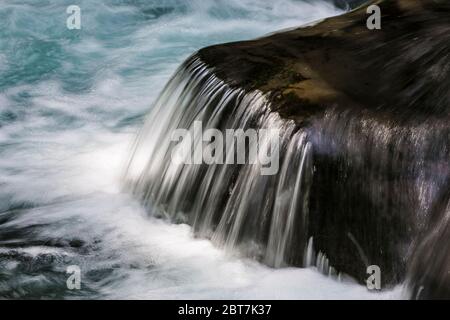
376 104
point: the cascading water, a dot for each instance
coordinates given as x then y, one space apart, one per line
235 205
363 179
71 102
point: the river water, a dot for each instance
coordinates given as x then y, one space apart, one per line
71 102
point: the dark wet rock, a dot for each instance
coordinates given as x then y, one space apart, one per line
430 273
376 106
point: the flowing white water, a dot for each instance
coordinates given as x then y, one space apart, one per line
236 205
70 105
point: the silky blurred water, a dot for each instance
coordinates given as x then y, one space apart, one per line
71 102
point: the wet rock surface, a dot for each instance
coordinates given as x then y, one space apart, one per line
376 106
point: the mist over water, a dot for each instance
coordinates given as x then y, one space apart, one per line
71 102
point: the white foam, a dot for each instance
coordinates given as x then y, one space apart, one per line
67 152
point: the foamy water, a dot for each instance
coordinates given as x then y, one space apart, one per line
70 105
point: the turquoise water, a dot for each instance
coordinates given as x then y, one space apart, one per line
71 102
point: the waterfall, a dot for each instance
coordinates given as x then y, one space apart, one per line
238 208
355 186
